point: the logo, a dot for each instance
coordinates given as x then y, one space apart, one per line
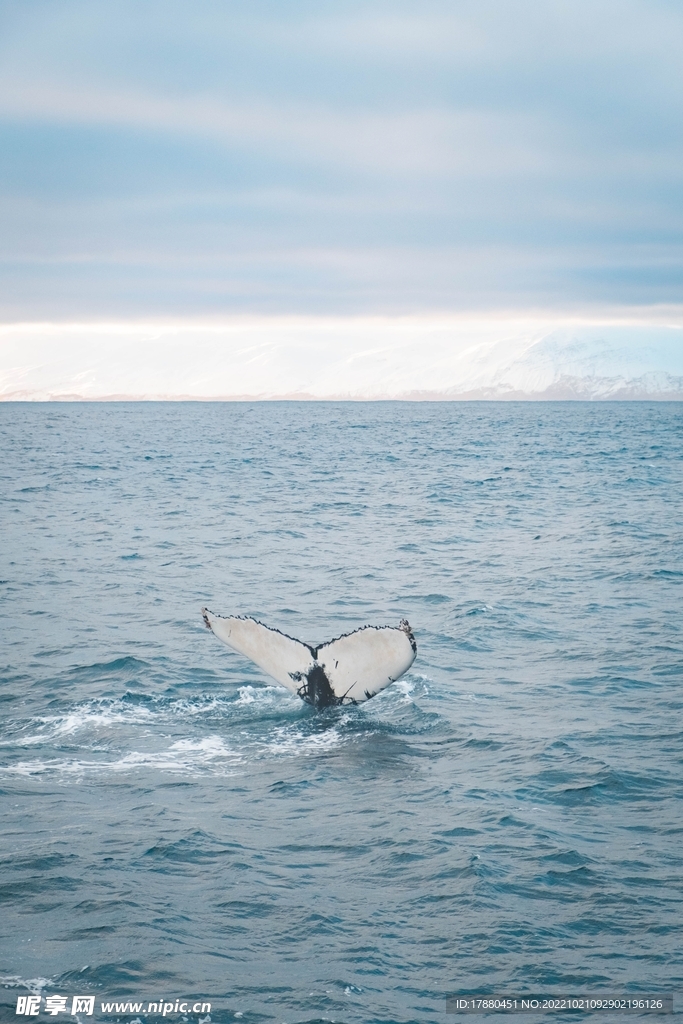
29 1006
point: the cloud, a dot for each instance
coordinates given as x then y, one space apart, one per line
429 142
343 158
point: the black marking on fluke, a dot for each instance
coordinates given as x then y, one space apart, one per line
405 626
316 689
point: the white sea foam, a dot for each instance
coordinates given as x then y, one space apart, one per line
405 691
185 757
287 741
261 695
93 716
34 985
182 758
194 707
87 720
406 687
207 755
49 766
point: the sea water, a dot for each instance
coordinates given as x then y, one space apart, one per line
506 818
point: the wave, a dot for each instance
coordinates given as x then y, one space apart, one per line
185 757
222 733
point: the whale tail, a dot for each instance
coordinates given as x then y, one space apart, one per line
348 670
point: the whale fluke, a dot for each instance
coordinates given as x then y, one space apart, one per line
348 670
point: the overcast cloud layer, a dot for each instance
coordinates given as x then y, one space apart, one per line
343 158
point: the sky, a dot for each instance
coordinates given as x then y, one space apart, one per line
190 165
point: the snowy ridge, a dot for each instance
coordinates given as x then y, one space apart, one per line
344 358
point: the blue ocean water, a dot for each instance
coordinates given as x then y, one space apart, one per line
505 818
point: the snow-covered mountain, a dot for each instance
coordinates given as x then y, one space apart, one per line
586 363
357 358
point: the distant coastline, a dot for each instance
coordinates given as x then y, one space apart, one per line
433 397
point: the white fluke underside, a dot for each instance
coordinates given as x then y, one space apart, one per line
350 669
